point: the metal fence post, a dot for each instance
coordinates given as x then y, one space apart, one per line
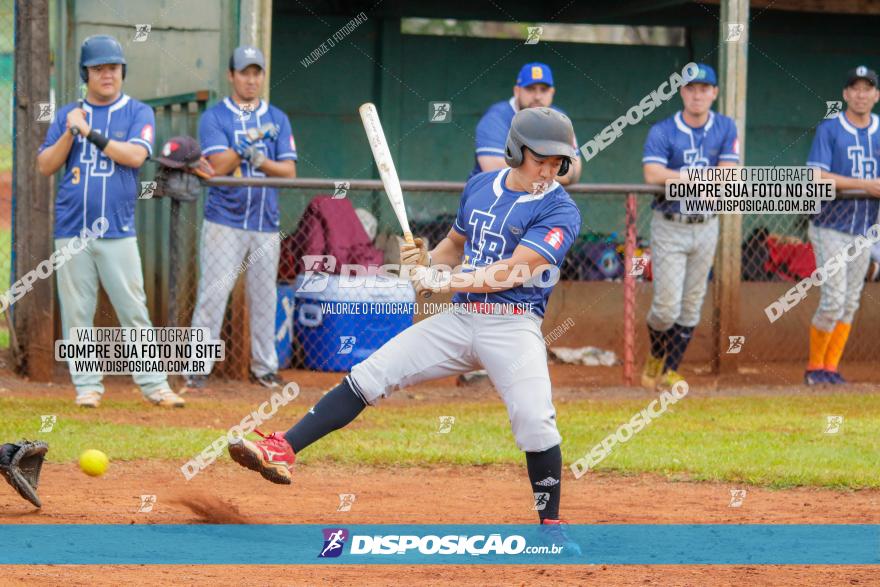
629 291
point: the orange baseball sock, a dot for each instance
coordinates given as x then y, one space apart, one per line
819 340
836 345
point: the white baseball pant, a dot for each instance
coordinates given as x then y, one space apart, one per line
841 292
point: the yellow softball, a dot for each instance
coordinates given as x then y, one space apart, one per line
93 462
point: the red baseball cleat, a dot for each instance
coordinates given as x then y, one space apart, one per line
554 532
272 457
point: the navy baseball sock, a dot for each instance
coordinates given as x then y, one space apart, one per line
658 342
336 409
545 473
677 344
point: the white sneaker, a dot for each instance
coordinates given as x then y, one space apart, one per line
89 399
165 398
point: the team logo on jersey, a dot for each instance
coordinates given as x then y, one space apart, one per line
736 145
555 238
334 540
863 166
147 133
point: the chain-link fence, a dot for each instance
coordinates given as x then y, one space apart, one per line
7 76
320 323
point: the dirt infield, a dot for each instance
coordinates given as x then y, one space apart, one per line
441 494
227 494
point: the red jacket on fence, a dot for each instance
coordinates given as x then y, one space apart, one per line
327 227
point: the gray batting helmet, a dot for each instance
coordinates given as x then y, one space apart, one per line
546 132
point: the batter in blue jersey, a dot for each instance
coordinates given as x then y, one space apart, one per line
682 246
511 224
101 142
846 149
534 88
244 136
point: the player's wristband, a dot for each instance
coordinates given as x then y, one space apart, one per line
97 139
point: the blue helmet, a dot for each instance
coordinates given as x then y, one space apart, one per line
98 50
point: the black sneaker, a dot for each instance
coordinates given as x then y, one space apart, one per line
270 380
194 383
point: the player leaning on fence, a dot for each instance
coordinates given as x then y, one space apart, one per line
846 149
247 137
682 246
100 182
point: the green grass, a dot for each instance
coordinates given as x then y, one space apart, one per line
776 442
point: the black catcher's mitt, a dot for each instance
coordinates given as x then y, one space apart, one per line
21 463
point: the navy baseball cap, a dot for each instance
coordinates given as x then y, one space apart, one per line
861 72
246 55
705 75
534 73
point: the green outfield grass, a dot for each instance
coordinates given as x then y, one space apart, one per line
776 442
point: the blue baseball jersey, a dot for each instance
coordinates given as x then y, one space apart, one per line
220 128
495 220
492 132
841 148
674 144
94 185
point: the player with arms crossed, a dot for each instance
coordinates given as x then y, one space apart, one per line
845 149
114 138
682 245
503 225
244 136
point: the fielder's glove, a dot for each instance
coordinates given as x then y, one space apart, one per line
20 464
430 280
415 253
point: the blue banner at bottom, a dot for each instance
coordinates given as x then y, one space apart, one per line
706 544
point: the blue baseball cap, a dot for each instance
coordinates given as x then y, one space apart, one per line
534 73
705 75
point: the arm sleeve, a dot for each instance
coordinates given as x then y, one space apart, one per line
656 146
491 136
554 232
730 146
211 136
56 129
821 152
285 147
142 128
